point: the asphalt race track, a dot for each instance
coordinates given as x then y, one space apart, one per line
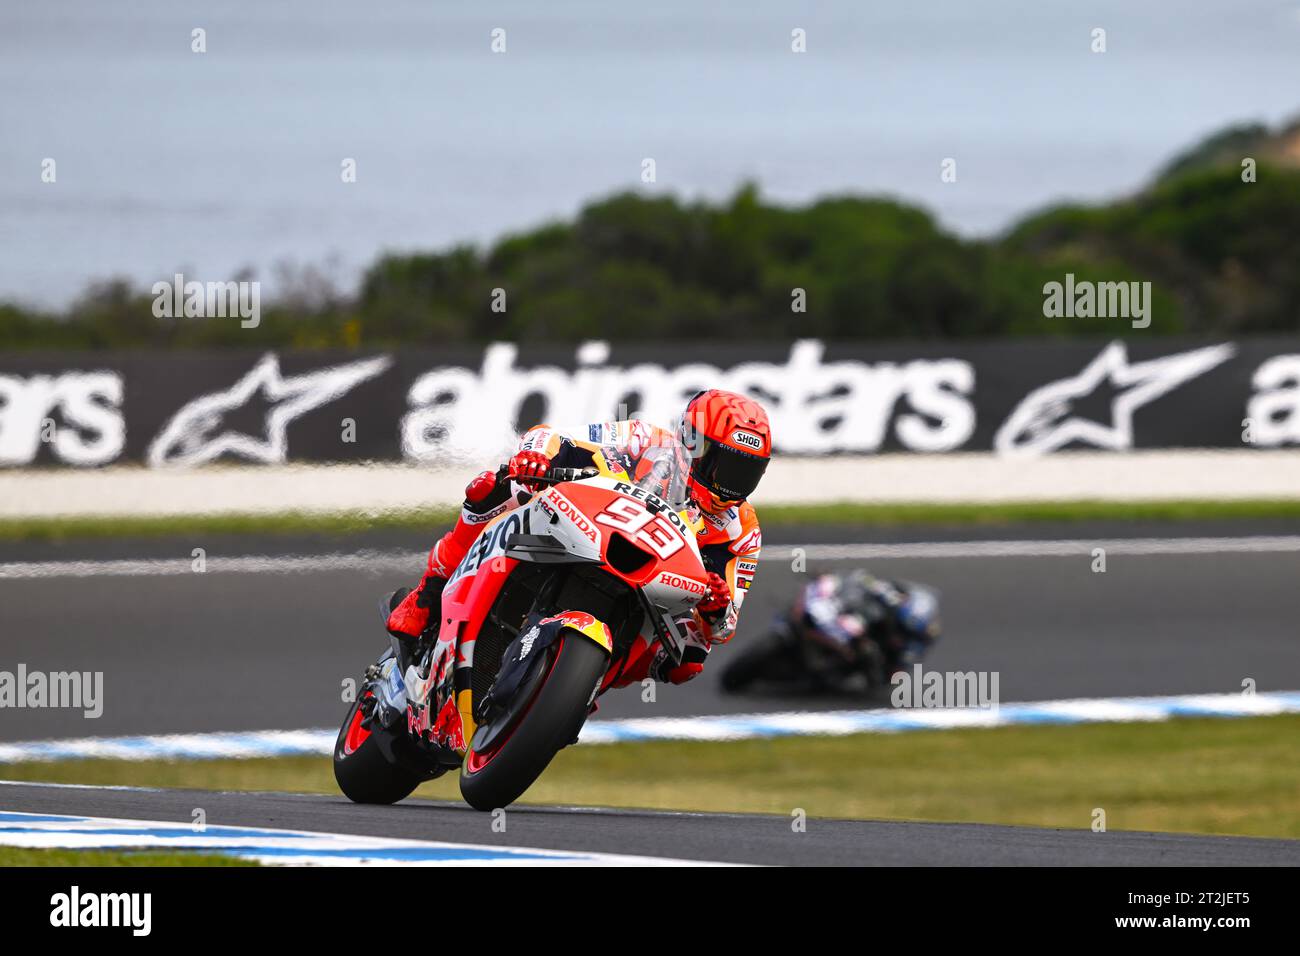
718 838
235 650
250 651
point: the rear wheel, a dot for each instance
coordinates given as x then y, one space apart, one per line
548 721
363 773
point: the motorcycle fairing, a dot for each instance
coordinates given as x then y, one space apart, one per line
584 624
575 522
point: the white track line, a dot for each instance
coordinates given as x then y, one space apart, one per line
81 786
362 561
290 847
410 561
1070 547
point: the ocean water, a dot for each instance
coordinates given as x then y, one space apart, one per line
213 162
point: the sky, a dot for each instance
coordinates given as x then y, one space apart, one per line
167 159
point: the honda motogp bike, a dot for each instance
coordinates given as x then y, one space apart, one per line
536 621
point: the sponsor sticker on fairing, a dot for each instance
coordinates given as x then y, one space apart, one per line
690 585
490 544
565 507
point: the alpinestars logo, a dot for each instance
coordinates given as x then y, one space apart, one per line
1045 420
195 436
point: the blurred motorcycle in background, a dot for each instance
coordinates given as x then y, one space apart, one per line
844 632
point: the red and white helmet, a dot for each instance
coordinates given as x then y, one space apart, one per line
730 443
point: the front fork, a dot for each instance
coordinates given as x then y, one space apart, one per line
525 667
440 713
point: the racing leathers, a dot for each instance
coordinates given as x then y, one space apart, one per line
728 540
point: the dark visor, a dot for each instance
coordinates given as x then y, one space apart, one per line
730 474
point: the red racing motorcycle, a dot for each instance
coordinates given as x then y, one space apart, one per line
537 620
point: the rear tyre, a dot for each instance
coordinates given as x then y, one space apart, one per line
361 769
547 723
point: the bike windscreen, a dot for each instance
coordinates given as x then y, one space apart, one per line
663 471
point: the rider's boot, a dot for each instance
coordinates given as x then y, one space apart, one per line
648 659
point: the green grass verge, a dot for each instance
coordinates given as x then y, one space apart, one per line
863 515
19 856
1225 776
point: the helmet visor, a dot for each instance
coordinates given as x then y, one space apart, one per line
730 474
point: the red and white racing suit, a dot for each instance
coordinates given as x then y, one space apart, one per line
729 543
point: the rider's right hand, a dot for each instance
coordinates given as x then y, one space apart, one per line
527 466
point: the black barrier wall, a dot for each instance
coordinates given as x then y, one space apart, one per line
90 409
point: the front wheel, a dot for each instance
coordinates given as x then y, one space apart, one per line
549 721
363 773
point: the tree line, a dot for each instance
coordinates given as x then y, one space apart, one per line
1219 243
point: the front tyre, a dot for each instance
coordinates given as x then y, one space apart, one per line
551 720
363 773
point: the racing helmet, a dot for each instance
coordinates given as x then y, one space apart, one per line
730 443
918 614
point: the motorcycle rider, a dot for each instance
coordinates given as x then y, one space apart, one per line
729 439
842 609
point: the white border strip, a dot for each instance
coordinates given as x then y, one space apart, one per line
363 561
288 847
1071 547
962 477
291 743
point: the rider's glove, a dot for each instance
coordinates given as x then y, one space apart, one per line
718 597
527 466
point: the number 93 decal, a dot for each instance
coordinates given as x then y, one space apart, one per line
656 533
